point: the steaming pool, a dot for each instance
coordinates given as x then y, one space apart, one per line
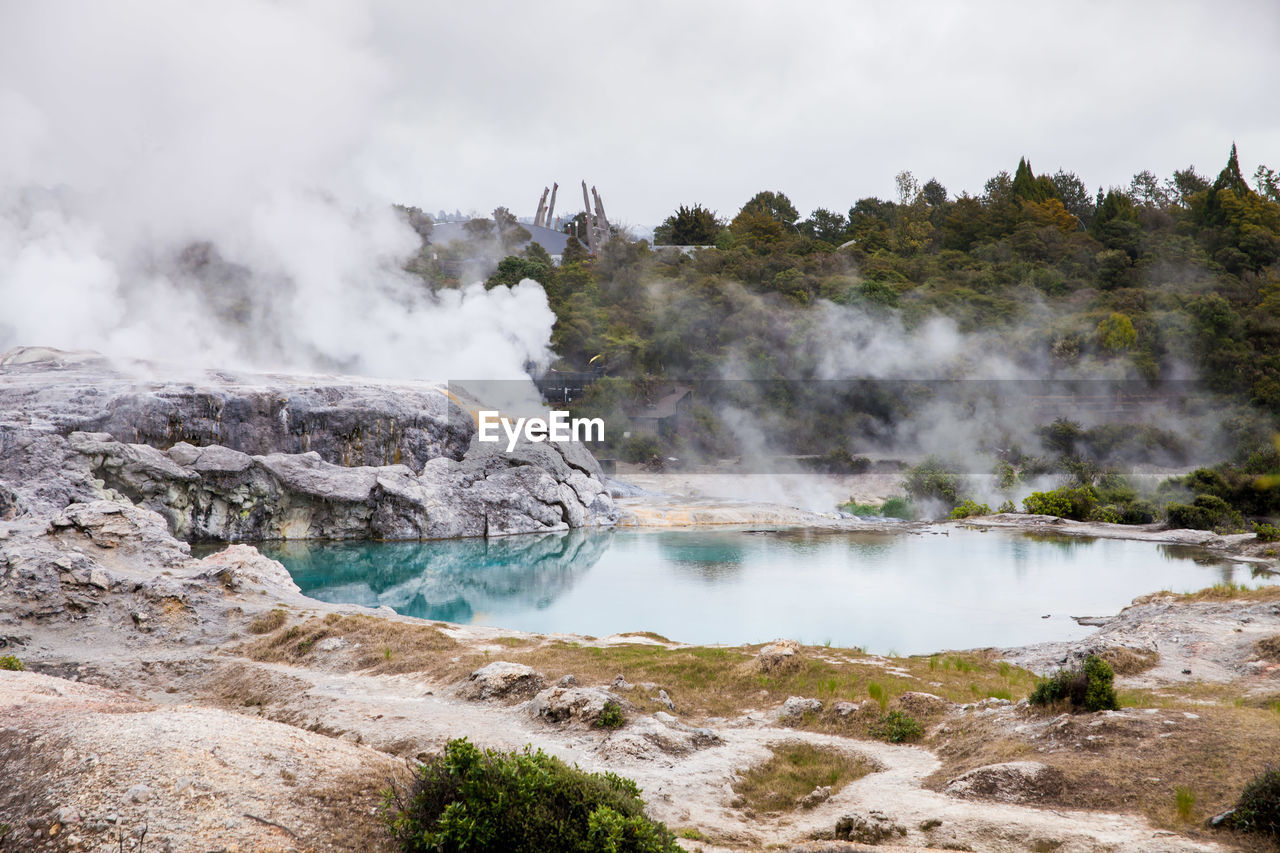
908 593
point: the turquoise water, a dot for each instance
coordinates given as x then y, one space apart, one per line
908 593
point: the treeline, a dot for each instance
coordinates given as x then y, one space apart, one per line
1162 274
1166 279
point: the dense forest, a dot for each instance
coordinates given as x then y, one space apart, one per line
1145 287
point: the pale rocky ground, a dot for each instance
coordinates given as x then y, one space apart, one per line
159 630
143 725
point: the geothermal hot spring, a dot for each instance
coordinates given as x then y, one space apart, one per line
907 593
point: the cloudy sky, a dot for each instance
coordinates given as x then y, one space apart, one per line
662 103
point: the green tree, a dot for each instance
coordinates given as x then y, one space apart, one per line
688 226
1075 196
826 225
1116 334
773 205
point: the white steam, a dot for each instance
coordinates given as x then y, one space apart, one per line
178 182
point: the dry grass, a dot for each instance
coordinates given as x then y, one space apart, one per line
1218 592
1132 763
267 622
370 643
721 682
796 769
1126 660
1269 648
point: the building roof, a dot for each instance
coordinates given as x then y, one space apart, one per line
553 241
664 406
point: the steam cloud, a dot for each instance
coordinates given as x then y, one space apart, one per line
181 182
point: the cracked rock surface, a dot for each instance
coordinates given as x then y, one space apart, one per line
231 458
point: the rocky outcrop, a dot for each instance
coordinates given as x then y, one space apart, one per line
501 679
1010 782
572 704
251 472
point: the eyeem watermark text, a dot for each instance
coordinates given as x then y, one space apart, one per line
558 427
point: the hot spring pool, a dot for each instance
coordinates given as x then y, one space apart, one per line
909 593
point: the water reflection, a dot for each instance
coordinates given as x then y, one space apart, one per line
712 557
909 592
450 580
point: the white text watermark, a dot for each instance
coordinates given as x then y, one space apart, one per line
558 426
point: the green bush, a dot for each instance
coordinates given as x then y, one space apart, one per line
896 727
641 448
934 479
1076 502
1008 506
1266 532
898 507
610 717
970 507
466 799
1089 687
1258 809
11 663
1206 512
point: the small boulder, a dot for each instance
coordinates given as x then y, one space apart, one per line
797 706
571 704
1010 782
816 797
870 828
500 680
780 655
920 704
846 709
665 700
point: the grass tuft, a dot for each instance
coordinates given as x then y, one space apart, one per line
794 771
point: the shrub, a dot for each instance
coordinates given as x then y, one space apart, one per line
1075 502
896 727
11 663
1008 506
1258 809
610 717
1089 687
970 507
1266 532
641 448
1108 514
1206 512
933 479
466 799
898 507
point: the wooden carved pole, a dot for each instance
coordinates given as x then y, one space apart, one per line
591 229
551 208
542 207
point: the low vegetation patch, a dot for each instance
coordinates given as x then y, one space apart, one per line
1258 809
368 642
468 799
11 663
1088 687
969 507
719 682
1269 648
897 727
267 622
611 717
794 771
1125 660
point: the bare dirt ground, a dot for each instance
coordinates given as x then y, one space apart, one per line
211 705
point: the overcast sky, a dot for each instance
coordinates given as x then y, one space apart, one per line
663 103
477 103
